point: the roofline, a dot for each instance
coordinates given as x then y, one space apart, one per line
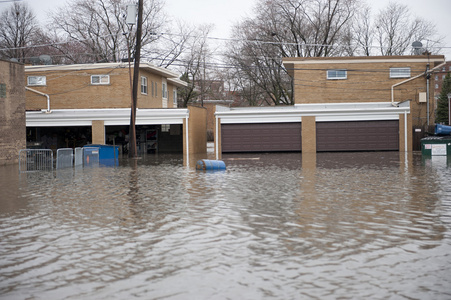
78 67
364 59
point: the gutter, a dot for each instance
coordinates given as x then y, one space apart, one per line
42 94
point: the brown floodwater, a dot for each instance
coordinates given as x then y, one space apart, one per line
271 226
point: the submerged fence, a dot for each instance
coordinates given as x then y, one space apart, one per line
31 160
42 159
64 158
93 156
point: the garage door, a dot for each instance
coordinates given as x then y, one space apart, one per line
261 137
357 136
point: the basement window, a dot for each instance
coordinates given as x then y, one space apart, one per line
337 74
399 72
36 80
100 79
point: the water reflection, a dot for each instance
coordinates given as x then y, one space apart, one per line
284 226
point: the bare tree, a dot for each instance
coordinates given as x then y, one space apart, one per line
396 30
100 26
362 30
18 31
194 63
287 28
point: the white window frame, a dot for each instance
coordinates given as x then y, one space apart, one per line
174 94
403 72
143 85
36 80
164 89
337 74
101 79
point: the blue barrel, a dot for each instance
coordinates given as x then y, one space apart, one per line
442 129
207 165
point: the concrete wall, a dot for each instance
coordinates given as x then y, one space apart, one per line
197 130
12 112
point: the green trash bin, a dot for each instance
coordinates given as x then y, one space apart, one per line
436 146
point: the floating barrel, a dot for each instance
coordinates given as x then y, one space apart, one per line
207 165
442 129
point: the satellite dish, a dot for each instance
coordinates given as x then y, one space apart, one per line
417 46
45 59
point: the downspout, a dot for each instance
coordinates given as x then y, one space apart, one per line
217 138
42 94
187 138
405 131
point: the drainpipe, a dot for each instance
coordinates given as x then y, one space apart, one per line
187 138
216 137
42 94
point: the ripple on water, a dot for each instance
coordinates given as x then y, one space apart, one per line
356 226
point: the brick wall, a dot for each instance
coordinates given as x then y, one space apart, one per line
12 112
365 82
72 89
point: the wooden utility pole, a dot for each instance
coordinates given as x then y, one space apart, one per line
133 151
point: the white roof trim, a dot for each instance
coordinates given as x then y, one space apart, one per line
79 67
361 61
84 117
322 112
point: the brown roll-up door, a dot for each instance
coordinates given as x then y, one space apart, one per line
357 136
261 137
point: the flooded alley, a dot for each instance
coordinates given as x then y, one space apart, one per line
365 225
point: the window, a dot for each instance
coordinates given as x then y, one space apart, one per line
436 77
337 74
164 89
443 77
174 93
436 86
399 72
37 80
450 68
100 79
143 85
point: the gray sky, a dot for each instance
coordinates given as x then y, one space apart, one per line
224 13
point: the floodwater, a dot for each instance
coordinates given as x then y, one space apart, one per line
272 226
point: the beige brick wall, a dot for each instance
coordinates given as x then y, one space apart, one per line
197 129
366 82
308 134
72 89
12 112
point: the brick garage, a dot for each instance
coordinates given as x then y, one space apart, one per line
12 111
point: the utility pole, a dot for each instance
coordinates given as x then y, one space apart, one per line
133 151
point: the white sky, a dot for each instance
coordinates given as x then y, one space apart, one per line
224 13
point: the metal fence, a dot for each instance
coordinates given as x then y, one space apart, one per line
78 157
64 158
35 160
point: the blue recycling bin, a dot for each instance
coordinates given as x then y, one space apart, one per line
108 154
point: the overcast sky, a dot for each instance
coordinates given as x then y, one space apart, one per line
224 13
